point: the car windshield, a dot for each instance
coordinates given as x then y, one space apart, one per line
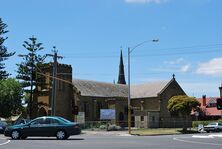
21 121
212 124
3 123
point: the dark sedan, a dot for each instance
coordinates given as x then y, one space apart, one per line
3 125
46 126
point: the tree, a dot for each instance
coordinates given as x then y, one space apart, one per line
4 55
27 69
182 106
11 93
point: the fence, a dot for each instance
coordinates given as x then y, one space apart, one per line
123 125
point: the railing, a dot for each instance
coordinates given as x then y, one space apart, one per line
123 125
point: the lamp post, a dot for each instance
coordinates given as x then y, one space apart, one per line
129 105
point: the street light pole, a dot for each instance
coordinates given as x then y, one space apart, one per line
129 105
129 97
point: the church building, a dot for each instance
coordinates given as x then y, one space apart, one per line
149 100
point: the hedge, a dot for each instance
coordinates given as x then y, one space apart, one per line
196 123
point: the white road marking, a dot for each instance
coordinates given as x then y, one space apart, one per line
4 142
196 142
196 136
216 135
209 136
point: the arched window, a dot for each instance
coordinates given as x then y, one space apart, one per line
42 112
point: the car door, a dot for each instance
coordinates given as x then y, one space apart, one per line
49 127
32 128
220 126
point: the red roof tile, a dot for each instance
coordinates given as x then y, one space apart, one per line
210 110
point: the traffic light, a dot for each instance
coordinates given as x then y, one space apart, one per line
219 103
75 110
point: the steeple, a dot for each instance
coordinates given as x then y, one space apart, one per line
121 78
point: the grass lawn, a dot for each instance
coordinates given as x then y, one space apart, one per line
160 131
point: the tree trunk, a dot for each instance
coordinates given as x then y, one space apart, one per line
184 124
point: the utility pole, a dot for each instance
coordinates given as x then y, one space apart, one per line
54 81
130 50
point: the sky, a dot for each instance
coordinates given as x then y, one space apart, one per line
90 34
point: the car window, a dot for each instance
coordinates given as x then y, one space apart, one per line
3 123
54 121
212 124
38 121
64 120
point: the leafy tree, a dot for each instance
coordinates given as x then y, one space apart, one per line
182 106
10 97
4 55
27 69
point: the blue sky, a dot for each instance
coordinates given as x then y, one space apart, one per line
90 33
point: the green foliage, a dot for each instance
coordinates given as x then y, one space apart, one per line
28 68
182 105
196 123
10 97
96 125
113 128
4 55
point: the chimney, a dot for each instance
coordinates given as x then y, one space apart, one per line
204 100
220 88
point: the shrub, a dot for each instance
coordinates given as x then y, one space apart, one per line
196 123
113 128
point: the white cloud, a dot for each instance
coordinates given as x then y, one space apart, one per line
177 65
177 61
212 67
146 1
184 68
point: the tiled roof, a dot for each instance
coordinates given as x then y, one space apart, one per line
148 90
101 89
210 109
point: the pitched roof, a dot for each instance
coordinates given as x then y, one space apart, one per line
210 108
101 89
148 90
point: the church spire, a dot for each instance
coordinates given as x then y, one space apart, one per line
121 78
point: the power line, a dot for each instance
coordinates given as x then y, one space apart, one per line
146 55
161 49
179 53
218 49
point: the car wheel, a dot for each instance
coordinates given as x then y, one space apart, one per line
61 135
15 134
207 131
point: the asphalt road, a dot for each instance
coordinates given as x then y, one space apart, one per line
102 141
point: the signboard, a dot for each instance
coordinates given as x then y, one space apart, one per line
81 117
107 114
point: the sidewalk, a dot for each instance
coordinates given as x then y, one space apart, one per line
105 133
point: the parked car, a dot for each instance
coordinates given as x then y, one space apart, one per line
2 126
46 126
214 126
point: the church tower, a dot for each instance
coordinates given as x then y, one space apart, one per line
121 78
